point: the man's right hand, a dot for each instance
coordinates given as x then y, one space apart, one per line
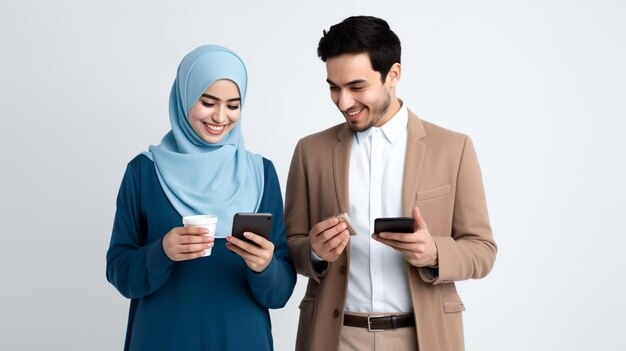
329 238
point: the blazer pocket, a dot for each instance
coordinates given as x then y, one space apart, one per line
434 192
306 302
450 299
451 307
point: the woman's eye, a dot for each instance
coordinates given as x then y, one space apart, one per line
233 107
207 104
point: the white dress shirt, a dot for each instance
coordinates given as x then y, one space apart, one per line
378 280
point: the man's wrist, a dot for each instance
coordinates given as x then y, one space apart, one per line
315 258
318 263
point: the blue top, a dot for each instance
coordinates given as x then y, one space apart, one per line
208 303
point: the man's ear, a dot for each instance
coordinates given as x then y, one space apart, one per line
393 76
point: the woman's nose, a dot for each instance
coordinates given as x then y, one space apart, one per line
219 115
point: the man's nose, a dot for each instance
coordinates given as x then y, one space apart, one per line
345 100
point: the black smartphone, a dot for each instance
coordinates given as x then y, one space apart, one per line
258 223
394 225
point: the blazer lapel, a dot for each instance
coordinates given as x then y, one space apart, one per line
341 166
413 163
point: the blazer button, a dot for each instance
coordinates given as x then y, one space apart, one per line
342 270
336 313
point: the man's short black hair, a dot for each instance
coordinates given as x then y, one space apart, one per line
362 34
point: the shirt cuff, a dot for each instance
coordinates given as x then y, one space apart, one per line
318 263
315 258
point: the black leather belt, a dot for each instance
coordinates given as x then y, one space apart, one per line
378 323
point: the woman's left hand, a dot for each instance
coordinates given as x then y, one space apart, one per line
256 257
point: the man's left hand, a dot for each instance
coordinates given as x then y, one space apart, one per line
418 248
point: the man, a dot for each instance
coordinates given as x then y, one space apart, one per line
386 291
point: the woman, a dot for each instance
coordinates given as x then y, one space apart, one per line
181 300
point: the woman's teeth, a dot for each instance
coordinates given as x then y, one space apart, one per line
214 127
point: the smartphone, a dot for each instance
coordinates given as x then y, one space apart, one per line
394 225
258 223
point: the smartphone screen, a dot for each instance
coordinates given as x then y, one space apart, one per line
257 223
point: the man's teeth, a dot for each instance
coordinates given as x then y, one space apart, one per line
353 113
214 127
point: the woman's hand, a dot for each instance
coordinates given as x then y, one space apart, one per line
187 243
256 257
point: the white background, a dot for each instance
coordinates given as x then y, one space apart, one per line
539 86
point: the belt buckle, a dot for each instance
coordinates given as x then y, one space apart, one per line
369 323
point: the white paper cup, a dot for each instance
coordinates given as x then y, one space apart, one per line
207 221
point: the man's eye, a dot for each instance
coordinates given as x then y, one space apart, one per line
356 88
333 88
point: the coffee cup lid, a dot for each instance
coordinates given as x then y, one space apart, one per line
199 219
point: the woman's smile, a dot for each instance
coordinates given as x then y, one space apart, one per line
214 129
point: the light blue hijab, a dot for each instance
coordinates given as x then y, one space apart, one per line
201 178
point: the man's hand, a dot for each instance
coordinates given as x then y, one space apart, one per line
329 238
418 248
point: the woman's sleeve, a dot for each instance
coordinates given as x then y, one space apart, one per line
134 267
273 287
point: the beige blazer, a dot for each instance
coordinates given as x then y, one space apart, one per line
442 177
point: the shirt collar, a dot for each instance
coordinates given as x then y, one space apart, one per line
392 129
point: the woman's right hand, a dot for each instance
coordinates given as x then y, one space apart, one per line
186 243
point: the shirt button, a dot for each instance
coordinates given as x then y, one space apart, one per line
336 313
342 270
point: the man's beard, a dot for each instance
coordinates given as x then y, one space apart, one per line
380 111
